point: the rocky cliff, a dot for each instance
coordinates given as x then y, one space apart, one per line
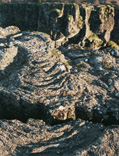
90 26
59 95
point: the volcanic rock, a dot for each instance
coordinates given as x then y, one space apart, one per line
66 98
89 26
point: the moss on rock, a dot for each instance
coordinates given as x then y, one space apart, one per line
93 42
94 38
113 45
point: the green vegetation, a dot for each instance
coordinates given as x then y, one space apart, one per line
94 38
55 53
93 41
113 45
65 63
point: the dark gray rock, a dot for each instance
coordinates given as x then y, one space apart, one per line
54 86
40 81
90 26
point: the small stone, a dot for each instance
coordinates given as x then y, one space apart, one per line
62 67
98 108
86 60
112 53
61 108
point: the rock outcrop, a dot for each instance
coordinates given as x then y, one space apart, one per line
78 138
89 26
59 82
60 95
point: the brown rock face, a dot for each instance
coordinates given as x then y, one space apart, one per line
102 21
91 26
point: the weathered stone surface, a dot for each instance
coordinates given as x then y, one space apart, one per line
91 26
78 138
57 85
40 81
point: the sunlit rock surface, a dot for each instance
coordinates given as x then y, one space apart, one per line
58 96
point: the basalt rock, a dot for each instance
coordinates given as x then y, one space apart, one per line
91 26
56 85
72 138
73 92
